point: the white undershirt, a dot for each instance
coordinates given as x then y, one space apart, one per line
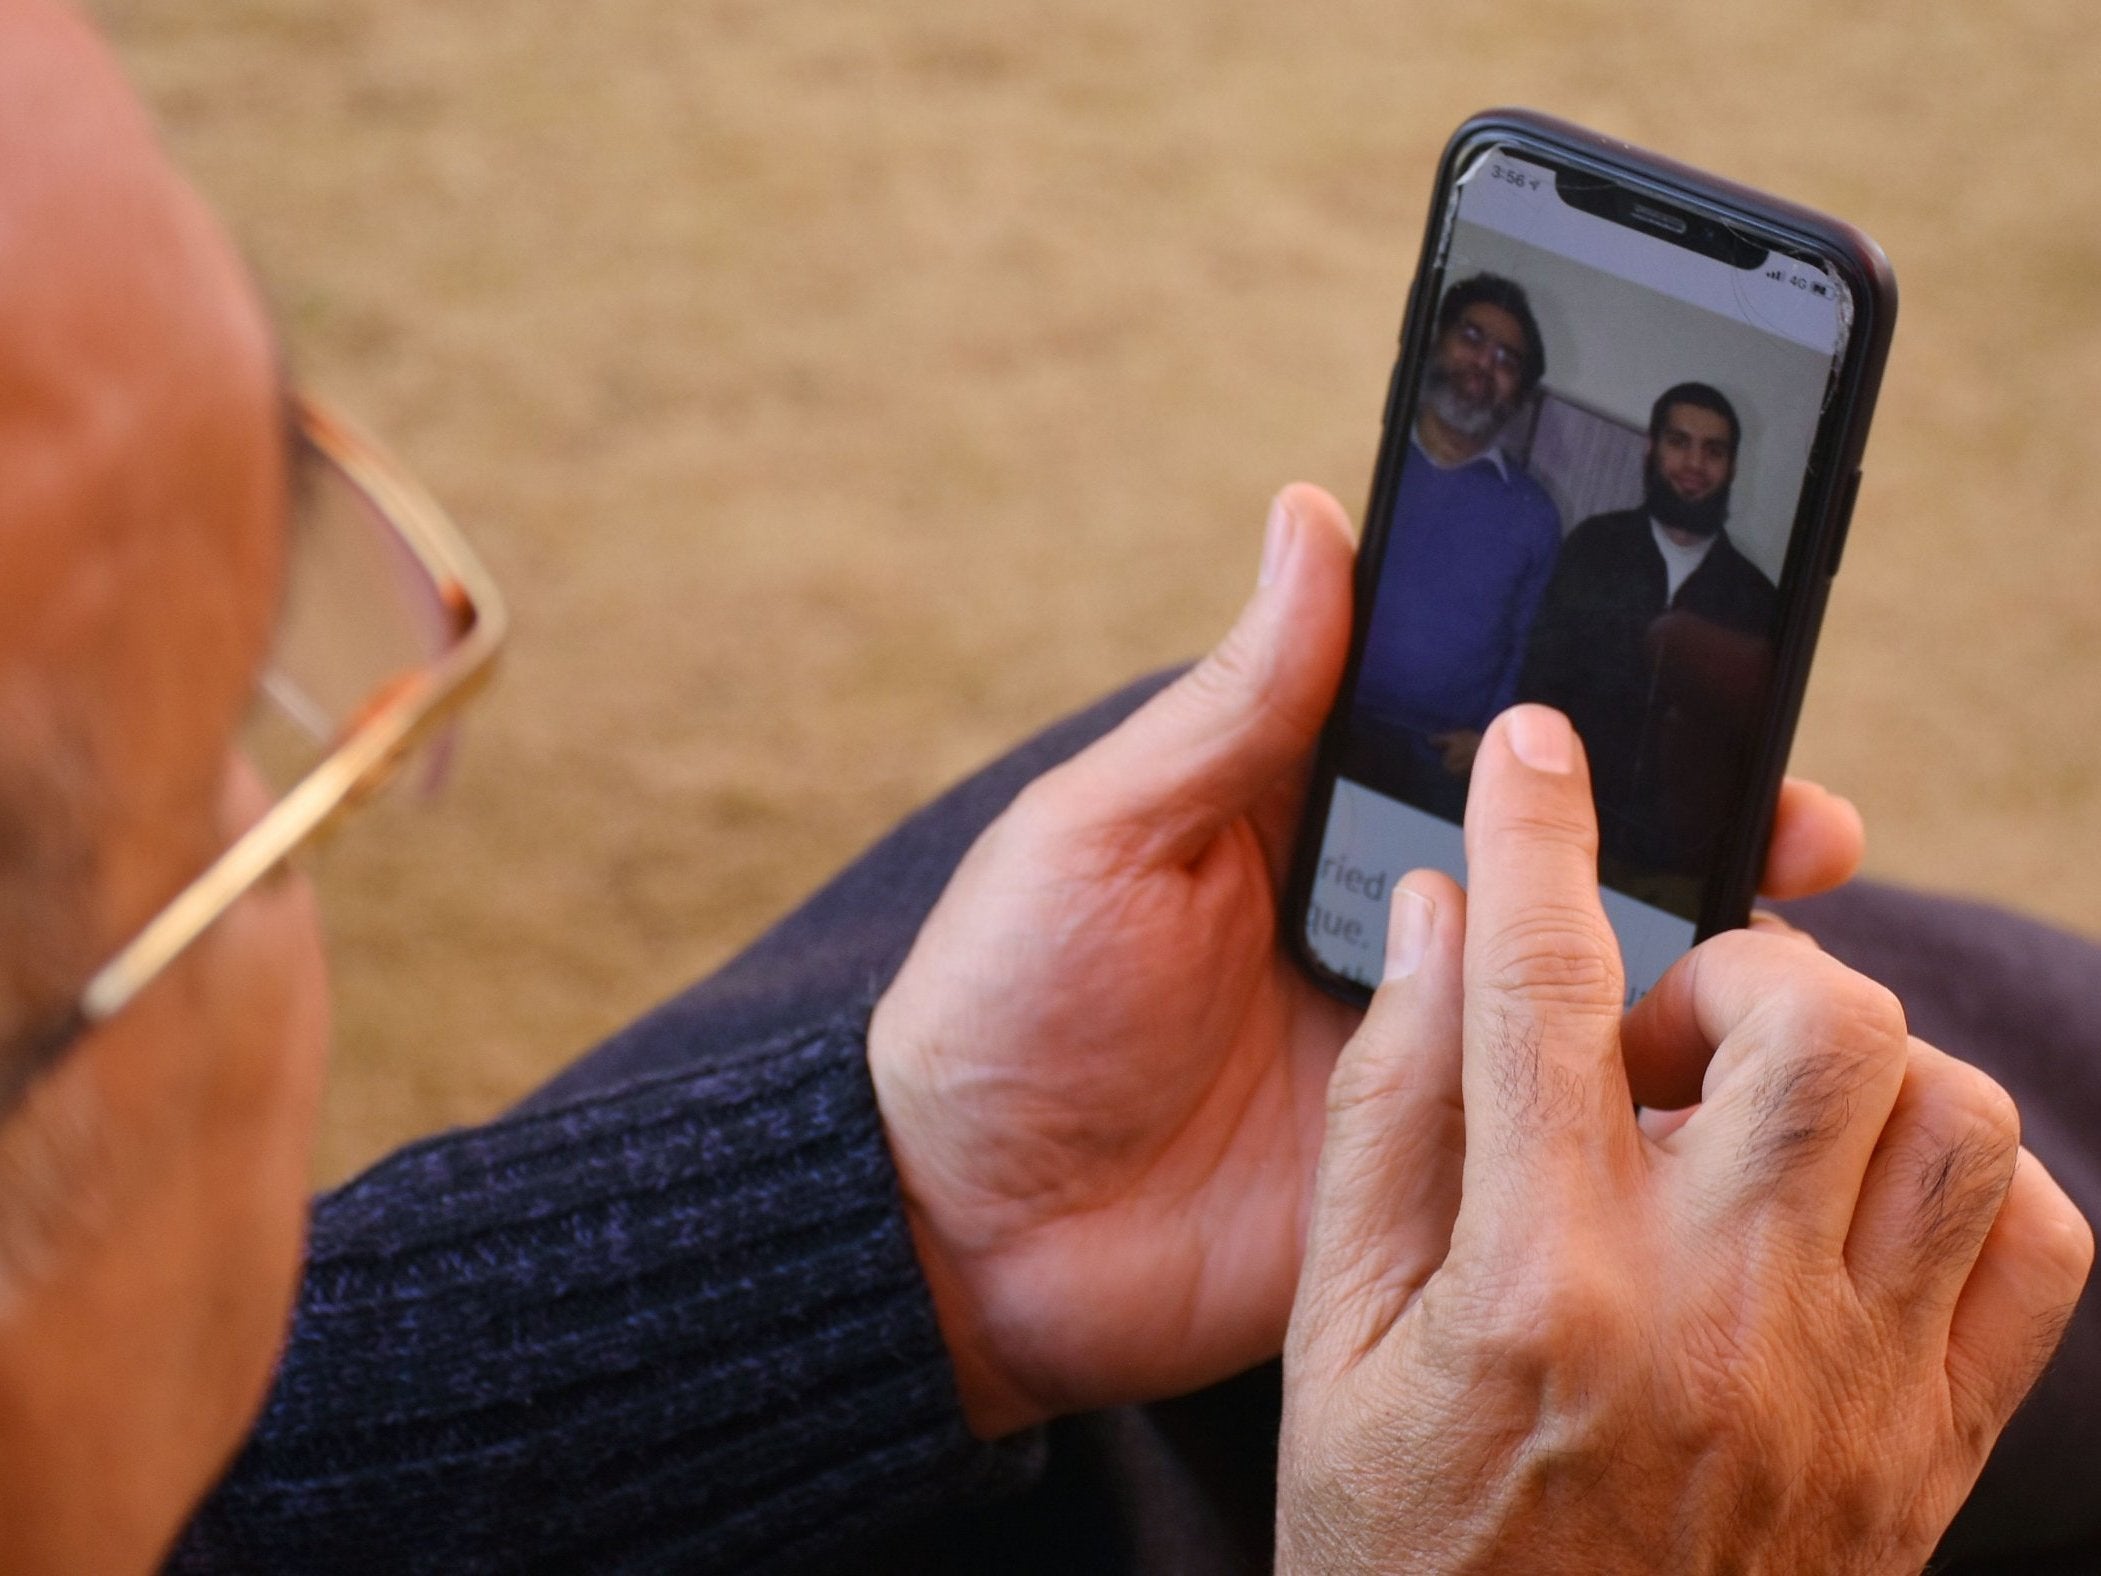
1678 562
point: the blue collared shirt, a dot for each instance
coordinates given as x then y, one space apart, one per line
1466 564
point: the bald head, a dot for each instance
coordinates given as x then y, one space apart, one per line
142 498
151 1178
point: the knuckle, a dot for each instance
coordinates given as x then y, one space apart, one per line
1543 817
1824 1002
1227 673
1959 1185
1801 1107
1835 1033
1960 1154
1856 1016
2052 1232
1554 953
1237 675
2073 1247
1557 1319
1991 1106
1980 1111
1357 1082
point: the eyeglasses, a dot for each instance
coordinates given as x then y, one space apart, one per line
388 627
1500 355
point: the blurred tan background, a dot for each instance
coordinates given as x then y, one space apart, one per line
843 391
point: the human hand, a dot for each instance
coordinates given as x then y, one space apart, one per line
1100 1076
1458 747
1707 665
1777 1334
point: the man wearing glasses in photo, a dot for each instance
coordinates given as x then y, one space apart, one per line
1473 545
792 1270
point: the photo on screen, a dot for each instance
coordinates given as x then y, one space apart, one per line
1593 511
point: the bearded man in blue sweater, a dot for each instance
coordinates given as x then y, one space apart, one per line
1472 548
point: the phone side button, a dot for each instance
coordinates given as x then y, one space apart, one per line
1846 500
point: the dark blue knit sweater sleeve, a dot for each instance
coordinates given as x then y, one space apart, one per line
676 1327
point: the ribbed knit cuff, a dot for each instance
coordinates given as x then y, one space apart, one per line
676 1327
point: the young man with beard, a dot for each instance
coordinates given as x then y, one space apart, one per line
1655 637
1473 544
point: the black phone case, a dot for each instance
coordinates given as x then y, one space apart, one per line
1829 489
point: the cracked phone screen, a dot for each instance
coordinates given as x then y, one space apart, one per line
1605 455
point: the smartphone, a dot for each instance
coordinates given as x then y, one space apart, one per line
1621 447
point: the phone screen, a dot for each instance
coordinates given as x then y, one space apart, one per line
1592 505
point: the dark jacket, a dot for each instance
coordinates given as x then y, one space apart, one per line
1665 697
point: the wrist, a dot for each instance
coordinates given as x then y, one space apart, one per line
994 1404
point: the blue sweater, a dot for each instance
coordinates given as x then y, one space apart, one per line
1467 561
676 1327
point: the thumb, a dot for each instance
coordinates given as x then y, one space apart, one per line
1203 750
1395 1150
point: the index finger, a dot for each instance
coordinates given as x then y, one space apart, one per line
1544 988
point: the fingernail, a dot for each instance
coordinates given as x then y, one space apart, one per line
1407 932
1276 539
1541 737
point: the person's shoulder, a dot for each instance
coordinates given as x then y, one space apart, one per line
1538 506
1521 481
1747 575
1614 530
1727 548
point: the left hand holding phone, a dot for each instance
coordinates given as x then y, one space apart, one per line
1101 1077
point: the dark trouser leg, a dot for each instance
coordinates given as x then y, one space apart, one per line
2016 998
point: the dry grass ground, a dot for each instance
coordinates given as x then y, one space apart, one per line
842 391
